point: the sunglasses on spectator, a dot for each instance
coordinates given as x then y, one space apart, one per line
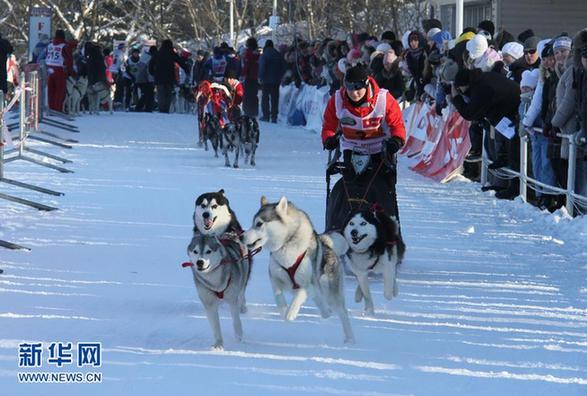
531 52
355 85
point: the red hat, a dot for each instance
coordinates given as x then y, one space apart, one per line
185 53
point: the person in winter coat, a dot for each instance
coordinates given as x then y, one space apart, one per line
95 66
5 50
367 115
199 71
234 102
250 75
390 76
131 70
371 123
481 55
271 70
144 81
59 63
162 67
416 59
571 112
108 61
530 60
476 96
216 66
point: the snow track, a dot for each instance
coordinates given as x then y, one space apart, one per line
492 294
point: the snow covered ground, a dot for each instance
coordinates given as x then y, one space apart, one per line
493 298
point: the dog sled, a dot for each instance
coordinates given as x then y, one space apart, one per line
366 182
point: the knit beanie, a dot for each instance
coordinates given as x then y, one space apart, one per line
383 48
488 26
477 46
388 35
562 42
530 78
465 37
432 32
356 73
514 49
526 34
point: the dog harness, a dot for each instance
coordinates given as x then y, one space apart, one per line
219 294
291 271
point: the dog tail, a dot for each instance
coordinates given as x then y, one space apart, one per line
336 242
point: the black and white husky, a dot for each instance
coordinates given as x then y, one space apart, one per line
221 273
301 261
231 142
249 138
375 245
213 215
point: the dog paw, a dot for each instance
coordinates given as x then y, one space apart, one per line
217 347
388 294
326 313
235 166
227 165
358 294
369 311
349 340
244 309
290 316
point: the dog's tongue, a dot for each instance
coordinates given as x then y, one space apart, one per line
208 222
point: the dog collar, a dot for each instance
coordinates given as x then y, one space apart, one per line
291 271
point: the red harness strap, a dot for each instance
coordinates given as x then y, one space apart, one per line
220 294
291 271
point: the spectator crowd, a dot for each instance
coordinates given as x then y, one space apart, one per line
536 86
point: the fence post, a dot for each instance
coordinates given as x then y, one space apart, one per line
524 167
571 175
484 161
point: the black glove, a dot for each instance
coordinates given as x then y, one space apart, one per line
392 146
331 143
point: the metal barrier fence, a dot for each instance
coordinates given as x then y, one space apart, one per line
572 198
28 95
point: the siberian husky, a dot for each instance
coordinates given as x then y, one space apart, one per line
375 245
213 215
98 94
75 91
212 131
221 273
231 142
249 137
301 261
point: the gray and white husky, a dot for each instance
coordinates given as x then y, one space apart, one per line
231 142
221 273
302 262
249 138
375 246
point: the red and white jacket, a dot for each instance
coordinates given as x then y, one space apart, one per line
364 127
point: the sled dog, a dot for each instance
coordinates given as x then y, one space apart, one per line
213 215
375 245
212 132
249 137
75 91
231 142
221 273
301 261
98 94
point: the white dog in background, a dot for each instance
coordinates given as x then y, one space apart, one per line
98 94
75 91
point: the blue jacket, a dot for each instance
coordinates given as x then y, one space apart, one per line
271 66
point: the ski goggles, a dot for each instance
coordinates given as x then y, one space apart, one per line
356 85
